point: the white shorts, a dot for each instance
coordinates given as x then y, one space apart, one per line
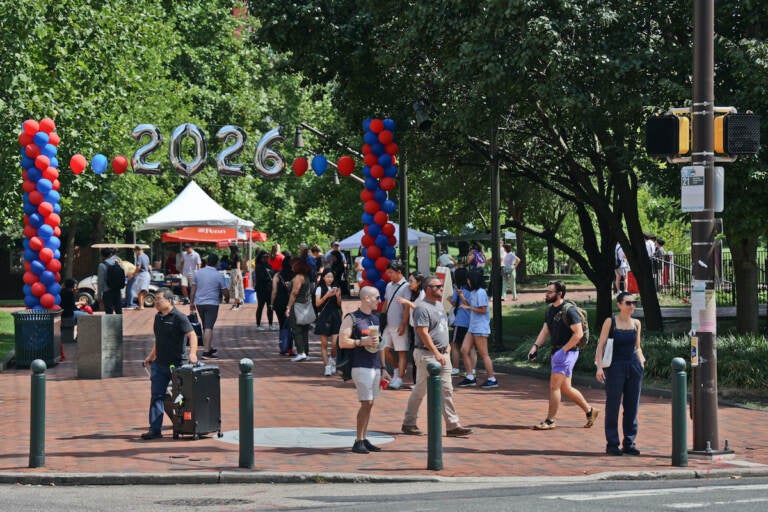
368 383
394 340
187 279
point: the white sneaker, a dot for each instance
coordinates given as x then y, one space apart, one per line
328 371
455 371
260 328
395 383
332 364
273 327
299 357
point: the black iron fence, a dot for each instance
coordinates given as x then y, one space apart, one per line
673 276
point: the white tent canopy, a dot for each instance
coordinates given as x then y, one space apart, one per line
414 237
193 207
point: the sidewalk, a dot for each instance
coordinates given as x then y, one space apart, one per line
93 426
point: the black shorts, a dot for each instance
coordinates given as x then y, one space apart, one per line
208 315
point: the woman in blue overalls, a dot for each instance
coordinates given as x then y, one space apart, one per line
624 377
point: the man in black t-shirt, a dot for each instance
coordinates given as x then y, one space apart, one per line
172 328
564 334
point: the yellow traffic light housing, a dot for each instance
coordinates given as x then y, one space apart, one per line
668 135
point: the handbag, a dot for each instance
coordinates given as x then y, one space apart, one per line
304 311
608 348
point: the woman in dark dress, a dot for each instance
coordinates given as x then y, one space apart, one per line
328 301
262 283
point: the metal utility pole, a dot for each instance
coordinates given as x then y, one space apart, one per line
495 235
704 392
402 181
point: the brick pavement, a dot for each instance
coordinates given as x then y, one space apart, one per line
93 425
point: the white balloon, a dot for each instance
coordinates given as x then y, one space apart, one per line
138 162
174 149
270 162
222 159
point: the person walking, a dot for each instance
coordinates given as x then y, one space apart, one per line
236 290
300 293
328 301
623 378
262 283
509 272
432 345
171 328
477 333
190 263
281 293
366 364
141 277
395 333
460 320
565 330
209 285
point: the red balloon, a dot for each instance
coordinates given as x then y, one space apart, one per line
27 266
392 241
376 125
35 197
32 150
346 165
56 185
382 263
386 137
47 125
53 138
29 231
381 218
54 265
366 240
42 162
57 232
385 277
38 289
387 184
377 172
31 127
373 252
372 207
365 149
30 278
58 277
47 301
45 209
391 148
36 243
53 220
28 186
388 229
300 166
365 195
26 139
50 173
370 159
46 254
119 164
77 163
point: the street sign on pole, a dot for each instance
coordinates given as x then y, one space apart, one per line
692 188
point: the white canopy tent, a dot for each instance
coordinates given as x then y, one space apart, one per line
416 238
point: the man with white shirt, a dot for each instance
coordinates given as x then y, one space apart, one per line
395 335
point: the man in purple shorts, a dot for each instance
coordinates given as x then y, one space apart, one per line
564 334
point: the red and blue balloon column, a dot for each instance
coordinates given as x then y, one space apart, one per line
42 258
380 171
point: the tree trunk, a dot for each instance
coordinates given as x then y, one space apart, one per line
522 253
69 252
744 254
550 258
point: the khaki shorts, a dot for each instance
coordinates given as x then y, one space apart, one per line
395 341
187 279
368 383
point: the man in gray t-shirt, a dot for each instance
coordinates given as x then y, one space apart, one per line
432 345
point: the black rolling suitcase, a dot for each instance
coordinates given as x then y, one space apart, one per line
194 404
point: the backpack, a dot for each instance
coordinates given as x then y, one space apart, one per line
567 304
115 277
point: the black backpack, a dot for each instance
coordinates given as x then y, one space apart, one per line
115 277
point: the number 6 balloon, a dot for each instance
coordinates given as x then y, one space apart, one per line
269 162
222 159
138 163
174 149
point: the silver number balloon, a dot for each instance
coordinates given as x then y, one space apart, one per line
222 159
269 162
175 147
138 162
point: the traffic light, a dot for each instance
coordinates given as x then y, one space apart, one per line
667 135
737 134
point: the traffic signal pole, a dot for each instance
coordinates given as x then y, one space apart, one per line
704 392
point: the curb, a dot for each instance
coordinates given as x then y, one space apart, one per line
243 477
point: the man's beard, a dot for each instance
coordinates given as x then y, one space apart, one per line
549 299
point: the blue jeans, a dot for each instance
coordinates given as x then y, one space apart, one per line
160 376
129 295
623 380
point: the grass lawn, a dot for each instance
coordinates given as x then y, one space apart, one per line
6 333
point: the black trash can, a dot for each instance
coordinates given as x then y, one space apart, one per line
37 337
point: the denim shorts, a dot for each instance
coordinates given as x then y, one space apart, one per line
563 362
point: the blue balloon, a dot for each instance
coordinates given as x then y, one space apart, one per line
380 196
44 185
382 241
56 208
28 207
54 289
54 161
57 299
388 252
99 163
34 174
367 124
26 289
319 164
370 138
57 254
366 171
40 139
45 231
377 148
374 230
391 171
49 150
27 163
385 160
388 206
36 267
367 218
53 243
389 124
32 302
36 220
53 197
368 263
381 285
25 243
30 255
39 307
47 278
373 274
371 183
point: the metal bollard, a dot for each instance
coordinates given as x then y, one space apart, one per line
434 417
679 420
246 413
37 415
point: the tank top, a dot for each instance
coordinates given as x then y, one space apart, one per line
624 344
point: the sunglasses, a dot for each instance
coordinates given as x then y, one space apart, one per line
435 286
630 302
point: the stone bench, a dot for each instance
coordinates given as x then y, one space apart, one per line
100 346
